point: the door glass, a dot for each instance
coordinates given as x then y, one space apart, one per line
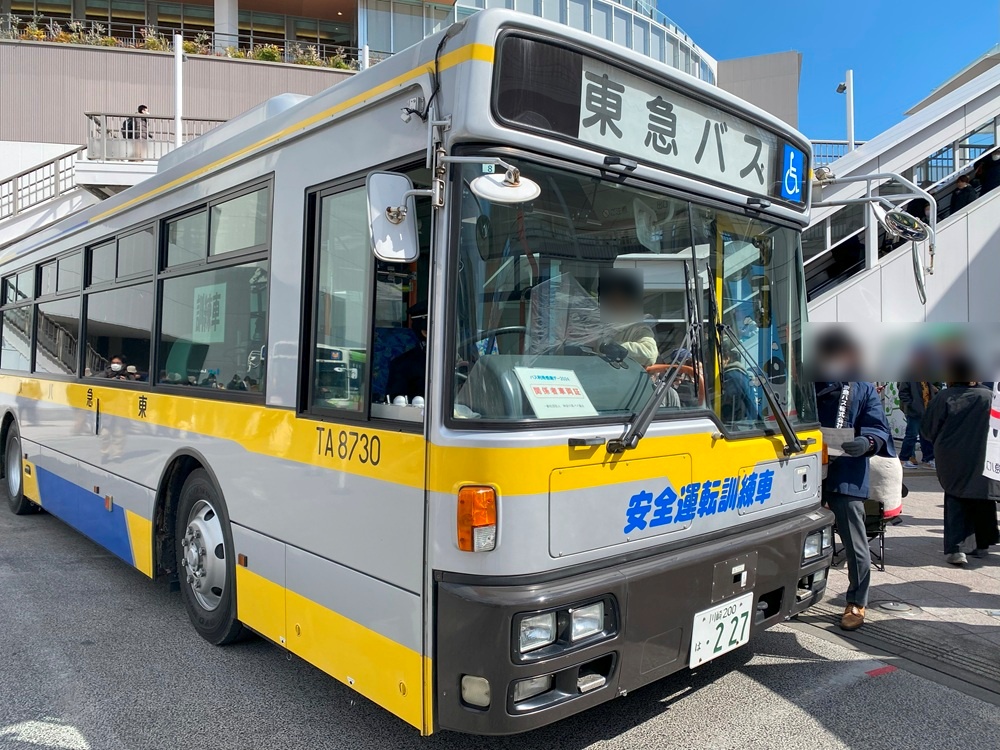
343 302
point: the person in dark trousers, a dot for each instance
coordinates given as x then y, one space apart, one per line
408 371
957 420
738 403
135 129
852 405
913 399
963 195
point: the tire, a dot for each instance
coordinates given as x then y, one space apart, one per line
12 470
203 542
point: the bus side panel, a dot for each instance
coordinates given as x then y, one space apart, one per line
363 632
260 583
110 510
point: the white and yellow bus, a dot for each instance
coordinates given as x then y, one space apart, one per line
578 493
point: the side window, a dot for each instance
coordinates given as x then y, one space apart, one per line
16 353
119 322
342 266
213 328
57 333
187 238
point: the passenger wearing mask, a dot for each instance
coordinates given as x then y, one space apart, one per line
963 195
620 294
845 402
408 371
957 421
115 369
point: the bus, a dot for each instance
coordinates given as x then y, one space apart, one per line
568 511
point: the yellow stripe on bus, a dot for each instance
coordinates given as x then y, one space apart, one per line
260 604
387 672
140 534
480 52
30 483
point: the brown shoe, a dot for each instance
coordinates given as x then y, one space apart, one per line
854 617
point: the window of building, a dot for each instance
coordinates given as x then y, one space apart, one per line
578 14
187 238
213 328
102 263
343 264
240 223
26 284
602 20
57 332
119 322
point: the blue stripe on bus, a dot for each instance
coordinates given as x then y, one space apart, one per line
85 511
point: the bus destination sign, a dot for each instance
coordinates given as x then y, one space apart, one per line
591 101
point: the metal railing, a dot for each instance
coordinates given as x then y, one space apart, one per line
113 136
826 152
245 45
37 185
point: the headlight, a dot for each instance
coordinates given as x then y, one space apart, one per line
537 631
813 546
586 621
524 689
828 537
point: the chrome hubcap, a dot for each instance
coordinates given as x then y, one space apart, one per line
14 468
203 555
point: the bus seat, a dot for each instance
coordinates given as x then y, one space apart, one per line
388 344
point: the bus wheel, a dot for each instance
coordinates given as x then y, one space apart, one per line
13 475
207 572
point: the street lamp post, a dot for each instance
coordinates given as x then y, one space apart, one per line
847 87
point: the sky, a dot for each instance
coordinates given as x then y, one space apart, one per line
899 50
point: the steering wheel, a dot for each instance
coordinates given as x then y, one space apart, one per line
657 370
490 332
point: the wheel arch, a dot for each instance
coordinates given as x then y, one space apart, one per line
168 490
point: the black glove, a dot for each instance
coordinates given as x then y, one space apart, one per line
857 447
614 352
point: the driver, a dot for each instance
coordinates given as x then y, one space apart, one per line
620 293
408 371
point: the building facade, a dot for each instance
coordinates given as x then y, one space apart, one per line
380 26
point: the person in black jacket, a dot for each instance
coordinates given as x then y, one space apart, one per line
964 194
957 420
408 371
854 405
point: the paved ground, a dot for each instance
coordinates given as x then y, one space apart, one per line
94 657
951 616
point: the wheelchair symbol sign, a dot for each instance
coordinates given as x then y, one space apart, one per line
792 175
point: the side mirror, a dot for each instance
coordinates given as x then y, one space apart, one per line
761 286
906 226
392 217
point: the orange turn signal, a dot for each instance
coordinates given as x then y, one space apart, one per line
826 455
477 519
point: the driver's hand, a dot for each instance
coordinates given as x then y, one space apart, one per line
614 352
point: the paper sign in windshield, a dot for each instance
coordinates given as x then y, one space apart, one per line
554 394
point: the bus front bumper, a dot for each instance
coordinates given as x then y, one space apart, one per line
649 609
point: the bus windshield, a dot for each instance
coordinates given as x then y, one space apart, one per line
568 307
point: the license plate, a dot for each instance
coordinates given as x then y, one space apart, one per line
721 629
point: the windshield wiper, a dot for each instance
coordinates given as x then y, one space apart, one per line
642 419
792 443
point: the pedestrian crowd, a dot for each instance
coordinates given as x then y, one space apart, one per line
950 422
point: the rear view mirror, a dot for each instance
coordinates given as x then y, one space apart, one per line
761 286
392 217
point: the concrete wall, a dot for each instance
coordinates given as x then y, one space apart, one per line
769 81
45 88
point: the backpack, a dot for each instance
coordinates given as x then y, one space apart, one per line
128 128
